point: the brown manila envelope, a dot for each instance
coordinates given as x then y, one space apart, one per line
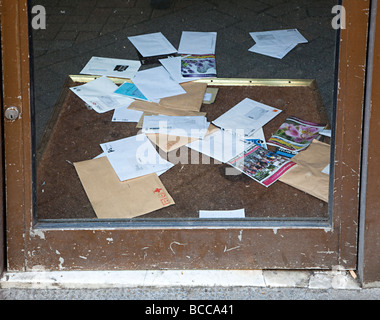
113 199
187 104
307 175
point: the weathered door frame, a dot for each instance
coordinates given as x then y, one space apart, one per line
369 233
35 246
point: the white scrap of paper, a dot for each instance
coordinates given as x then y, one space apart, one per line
119 68
193 42
222 214
156 83
247 116
326 169
152 44
134 157
325 132
99 95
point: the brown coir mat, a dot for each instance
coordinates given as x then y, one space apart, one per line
74 134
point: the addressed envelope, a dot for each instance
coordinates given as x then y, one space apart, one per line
99 95
119 68
185 126
113 199
247 116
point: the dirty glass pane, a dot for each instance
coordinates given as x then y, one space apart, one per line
66 34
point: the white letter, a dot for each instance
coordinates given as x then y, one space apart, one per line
39 21
339 21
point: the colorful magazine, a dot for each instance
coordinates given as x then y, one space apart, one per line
198 65
261 164
294 135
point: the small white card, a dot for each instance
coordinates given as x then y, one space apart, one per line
222 214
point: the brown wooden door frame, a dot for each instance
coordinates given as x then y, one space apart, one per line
2 211
369 235
35 246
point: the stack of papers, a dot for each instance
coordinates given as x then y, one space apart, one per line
183 126
246 117
134 157
276 44
100 95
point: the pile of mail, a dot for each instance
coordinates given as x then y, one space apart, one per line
165 103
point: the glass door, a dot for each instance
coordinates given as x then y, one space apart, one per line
57 175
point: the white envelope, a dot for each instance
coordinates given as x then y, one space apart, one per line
279 51
223 145
197 42
152 44
124 114
99 95
246 117
134 157
119 68
183 126
276 43
278 37
156 83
